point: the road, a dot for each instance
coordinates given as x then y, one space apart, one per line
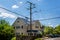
52 38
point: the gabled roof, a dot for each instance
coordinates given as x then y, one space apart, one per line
25 20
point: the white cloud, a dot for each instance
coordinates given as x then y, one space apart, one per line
15 6
49 24
20 2
5 15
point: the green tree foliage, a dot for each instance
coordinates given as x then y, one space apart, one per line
57 29
53 31
6 31
14 38
48 30
38 39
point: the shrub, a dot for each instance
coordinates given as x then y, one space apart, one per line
14 38
38 39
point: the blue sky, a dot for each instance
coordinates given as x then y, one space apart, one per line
46 9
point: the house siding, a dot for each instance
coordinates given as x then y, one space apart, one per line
21 22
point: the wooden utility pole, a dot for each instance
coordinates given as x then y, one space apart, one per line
30 9
30 16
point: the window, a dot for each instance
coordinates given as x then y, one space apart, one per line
34 34
22 27
18 21
14 27
17 27
29 34
21 33
37 26
17 33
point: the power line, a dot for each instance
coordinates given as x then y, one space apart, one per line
15 1
49 18
51 9
14 12
29 18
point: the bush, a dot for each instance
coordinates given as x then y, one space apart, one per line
14 38
38 39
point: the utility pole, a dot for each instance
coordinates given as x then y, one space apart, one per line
30 16
30 9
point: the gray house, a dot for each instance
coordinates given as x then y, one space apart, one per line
22 26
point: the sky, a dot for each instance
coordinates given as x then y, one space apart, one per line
45 9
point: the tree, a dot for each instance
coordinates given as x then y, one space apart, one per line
6 30
57 29
14 38
48 30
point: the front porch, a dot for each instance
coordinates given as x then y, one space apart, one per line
32 32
